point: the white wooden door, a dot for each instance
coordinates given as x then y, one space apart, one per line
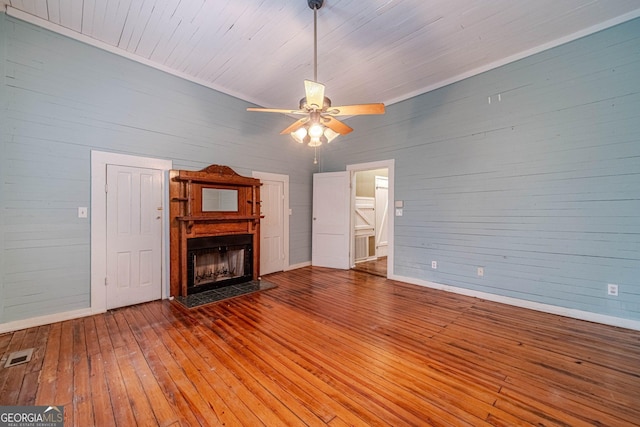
134 235
382 211
330 228
272 227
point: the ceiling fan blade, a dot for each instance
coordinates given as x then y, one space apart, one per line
336 125
355 110
295 126
315 94
276 110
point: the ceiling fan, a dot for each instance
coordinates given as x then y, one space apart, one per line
319 123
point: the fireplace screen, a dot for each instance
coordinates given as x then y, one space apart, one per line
217 261
211 266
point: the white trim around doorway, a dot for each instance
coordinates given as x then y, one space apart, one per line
390 166
98 213
267 176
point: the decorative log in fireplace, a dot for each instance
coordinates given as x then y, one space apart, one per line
215 229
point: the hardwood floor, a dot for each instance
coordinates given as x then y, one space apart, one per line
334 348
377 266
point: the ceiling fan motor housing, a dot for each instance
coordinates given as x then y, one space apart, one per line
305 106
315 4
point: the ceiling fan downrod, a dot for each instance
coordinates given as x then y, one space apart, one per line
315 5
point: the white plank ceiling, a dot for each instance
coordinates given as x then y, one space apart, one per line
368 51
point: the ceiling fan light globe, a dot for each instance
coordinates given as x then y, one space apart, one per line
330 134
299 135
316 130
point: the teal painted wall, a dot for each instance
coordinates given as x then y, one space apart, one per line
63 99
541 187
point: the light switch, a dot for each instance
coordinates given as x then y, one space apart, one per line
399 204
82 212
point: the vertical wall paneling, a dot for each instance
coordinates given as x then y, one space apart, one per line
64 99
530 171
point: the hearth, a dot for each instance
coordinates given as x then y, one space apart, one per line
217 261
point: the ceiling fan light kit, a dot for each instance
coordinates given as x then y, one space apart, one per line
319 125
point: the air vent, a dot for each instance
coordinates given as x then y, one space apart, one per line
18 357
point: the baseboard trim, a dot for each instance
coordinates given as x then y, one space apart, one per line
17 325
546 308
299 265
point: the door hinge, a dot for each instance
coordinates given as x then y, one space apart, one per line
106 188
106 282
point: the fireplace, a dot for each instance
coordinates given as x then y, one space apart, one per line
214 230
217 261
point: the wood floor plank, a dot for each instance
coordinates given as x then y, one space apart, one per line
5 340
91 336
64 372
121 406
82 401
330 347
100 396
47 381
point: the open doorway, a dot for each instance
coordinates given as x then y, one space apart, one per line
371 239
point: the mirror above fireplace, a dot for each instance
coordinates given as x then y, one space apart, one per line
219 200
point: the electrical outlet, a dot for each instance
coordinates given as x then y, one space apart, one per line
434 264
82 212
480 271
612 290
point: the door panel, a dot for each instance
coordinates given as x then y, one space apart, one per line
272 227
134 235
330 228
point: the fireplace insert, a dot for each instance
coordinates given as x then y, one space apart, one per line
217 261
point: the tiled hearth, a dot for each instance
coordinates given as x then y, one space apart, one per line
224 293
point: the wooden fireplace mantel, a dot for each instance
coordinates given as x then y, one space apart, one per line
189 220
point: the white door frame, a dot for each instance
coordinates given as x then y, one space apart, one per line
390 166
286 211
98 213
